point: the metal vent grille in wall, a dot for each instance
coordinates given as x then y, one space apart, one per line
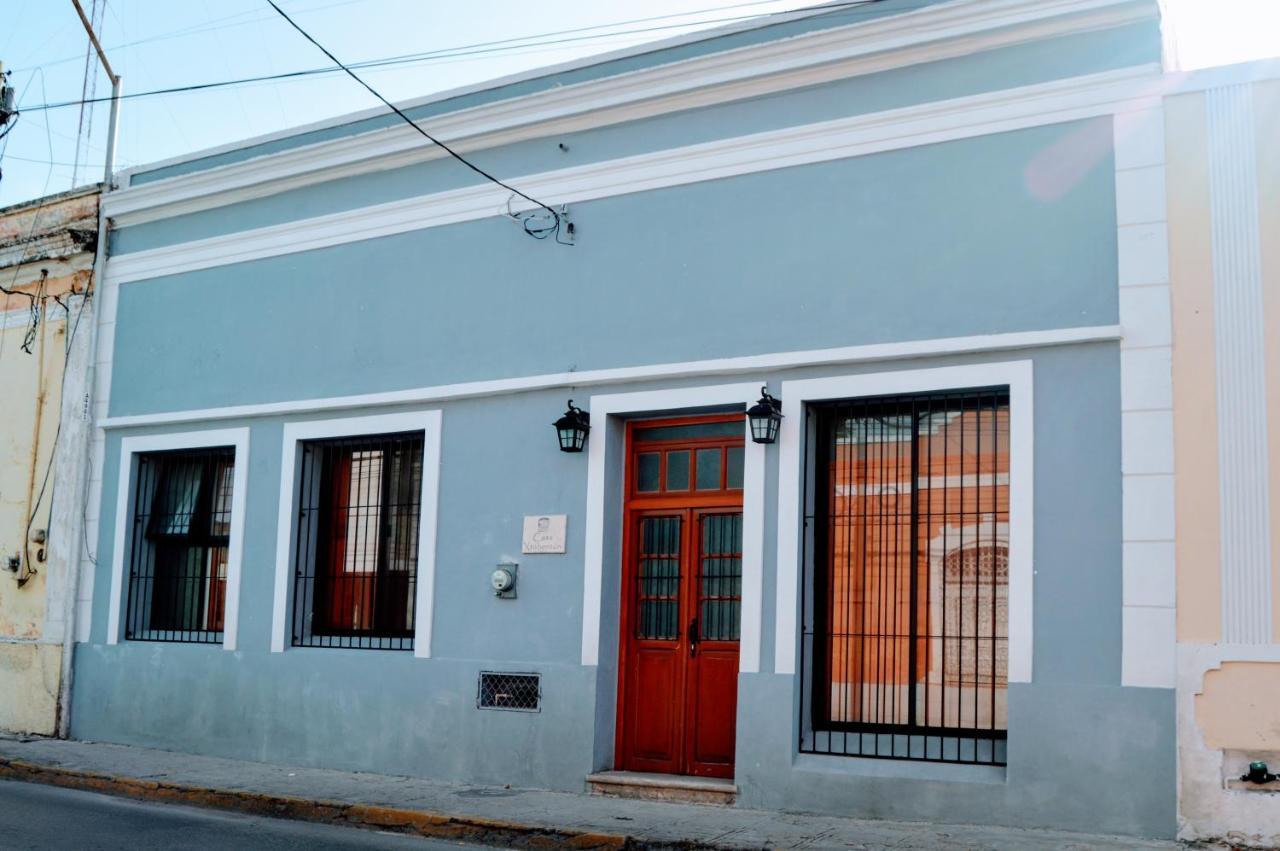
516 692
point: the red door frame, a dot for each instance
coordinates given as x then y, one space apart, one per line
690 506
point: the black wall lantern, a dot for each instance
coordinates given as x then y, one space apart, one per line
572 429
765 416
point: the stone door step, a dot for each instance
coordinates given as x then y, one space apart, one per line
663 787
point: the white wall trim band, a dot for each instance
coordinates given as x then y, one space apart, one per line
753 484
429 423
795 394
1148 615
925 35
238 438
960 118
870 353
1240 349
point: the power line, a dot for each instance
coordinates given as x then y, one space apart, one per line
144 70
480 48
39 162
536 232
35 222
210 25
88 88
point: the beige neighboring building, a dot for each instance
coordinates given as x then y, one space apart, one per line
1223 155
47 253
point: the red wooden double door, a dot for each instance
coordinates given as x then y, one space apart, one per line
681 596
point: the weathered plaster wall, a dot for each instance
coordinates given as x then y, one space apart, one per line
29 680
29 666
29 385
1194 367
1237 709
1224 213
37 240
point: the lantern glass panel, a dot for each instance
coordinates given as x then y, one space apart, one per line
571 439
764 429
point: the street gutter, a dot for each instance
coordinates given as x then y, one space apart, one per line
417 822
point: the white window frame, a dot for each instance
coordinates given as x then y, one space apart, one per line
295 433
1017 376
753 484
130 448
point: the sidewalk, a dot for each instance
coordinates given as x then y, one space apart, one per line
513 817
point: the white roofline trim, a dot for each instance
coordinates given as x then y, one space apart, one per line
485 85
960 118
929 34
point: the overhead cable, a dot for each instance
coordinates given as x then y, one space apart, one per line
481 48
535 229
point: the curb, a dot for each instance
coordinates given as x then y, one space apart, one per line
435 825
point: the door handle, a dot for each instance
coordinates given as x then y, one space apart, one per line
692 635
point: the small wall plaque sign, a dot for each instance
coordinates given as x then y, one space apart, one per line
544 533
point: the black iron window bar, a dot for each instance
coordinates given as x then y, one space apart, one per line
179 540
904 651
356 546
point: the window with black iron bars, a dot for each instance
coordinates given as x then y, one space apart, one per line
905 638
356 548
179 545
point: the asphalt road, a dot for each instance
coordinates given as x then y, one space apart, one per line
46 817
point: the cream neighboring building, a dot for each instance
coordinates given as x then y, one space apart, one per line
1222 131
47 252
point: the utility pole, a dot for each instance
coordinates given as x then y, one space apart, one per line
113 124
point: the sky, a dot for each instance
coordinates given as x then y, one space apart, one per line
157 44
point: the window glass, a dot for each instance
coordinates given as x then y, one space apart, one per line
220 512
178 550
362 506
678 470
357 551
729 428
177 491
708 466
913 646
733 471
647 480
720 575
658 609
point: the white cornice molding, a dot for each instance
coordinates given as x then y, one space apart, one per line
931 34
844 355
1047 103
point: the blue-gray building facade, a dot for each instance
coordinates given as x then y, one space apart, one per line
905 190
